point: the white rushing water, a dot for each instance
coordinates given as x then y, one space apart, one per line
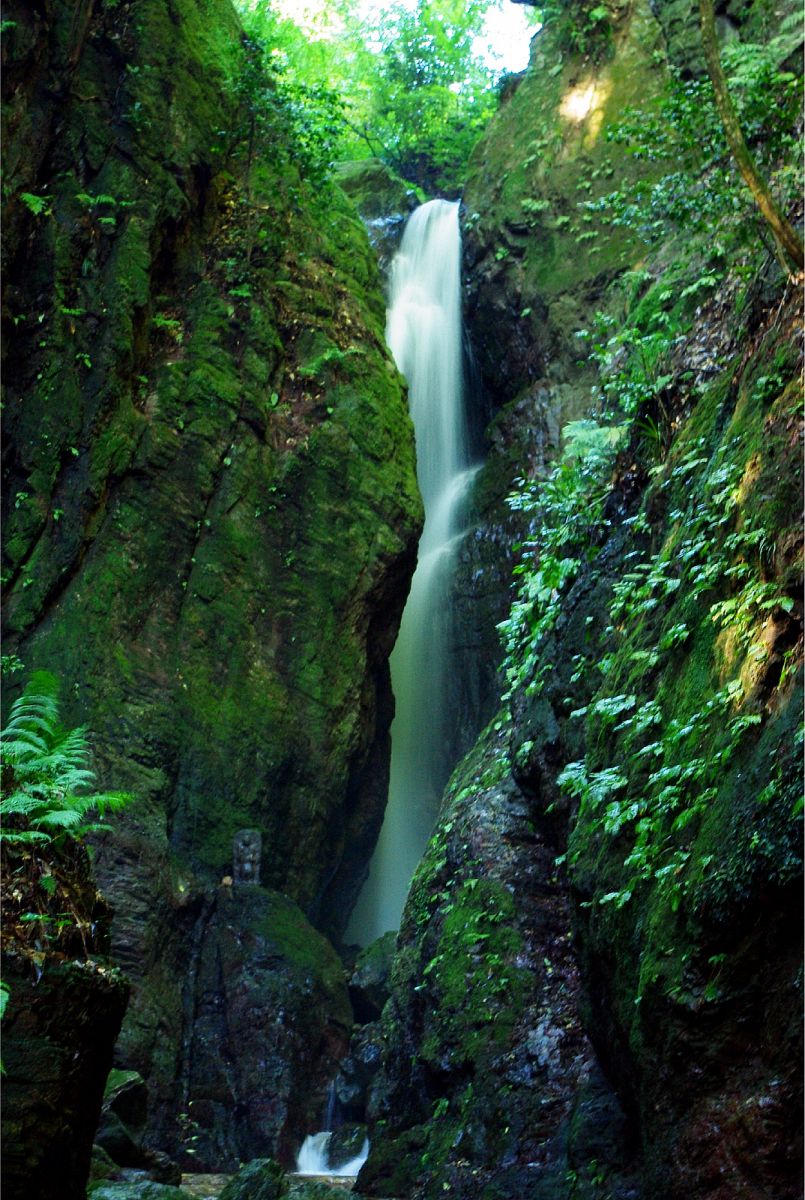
423 330
312 1158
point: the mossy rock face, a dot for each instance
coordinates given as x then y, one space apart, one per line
484 1047
383 200
537 266
683 869
376 190
211 504
257 957
536 263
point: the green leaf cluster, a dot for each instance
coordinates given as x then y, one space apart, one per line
403 84
646 780
46 775
695 186
566 513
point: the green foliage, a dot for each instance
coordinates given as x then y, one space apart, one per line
46 773
332 356
171 325
579 28
404 84
566 512
647 780
431 96
284 117
699 188
40 206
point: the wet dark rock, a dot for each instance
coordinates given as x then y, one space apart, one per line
126 1095
369 983
136 1189
521 441
485 1048
260 1179
118 1141
66 1003
355 1083
345 1144
270 994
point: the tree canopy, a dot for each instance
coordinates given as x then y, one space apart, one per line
408 83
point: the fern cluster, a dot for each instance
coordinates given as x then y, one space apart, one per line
46 776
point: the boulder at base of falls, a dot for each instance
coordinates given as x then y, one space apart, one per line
316 1189
357 1075
122 1128
136 1189
271 1021
345 1143
261 1179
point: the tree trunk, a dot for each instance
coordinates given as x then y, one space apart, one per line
786 237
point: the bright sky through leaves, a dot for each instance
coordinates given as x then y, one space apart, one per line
503 43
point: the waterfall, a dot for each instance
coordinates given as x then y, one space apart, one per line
423 330
313 1158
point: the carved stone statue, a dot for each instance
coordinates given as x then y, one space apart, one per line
246 849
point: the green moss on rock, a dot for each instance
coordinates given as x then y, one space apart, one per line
215 541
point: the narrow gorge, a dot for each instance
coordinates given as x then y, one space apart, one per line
402 637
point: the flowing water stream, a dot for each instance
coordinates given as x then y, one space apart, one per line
423 330
313 1158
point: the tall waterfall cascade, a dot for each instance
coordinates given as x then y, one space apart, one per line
424 333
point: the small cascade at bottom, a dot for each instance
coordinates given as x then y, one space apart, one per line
313 1157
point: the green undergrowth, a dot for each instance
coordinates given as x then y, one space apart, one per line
659 749
702 618
686 801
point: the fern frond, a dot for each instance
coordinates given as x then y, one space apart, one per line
111 801
74 778
71 744
49 771
23 743
31 707
58 818
29 722
24 836
20 802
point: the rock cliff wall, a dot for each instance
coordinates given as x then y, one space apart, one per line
595 991
211 507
